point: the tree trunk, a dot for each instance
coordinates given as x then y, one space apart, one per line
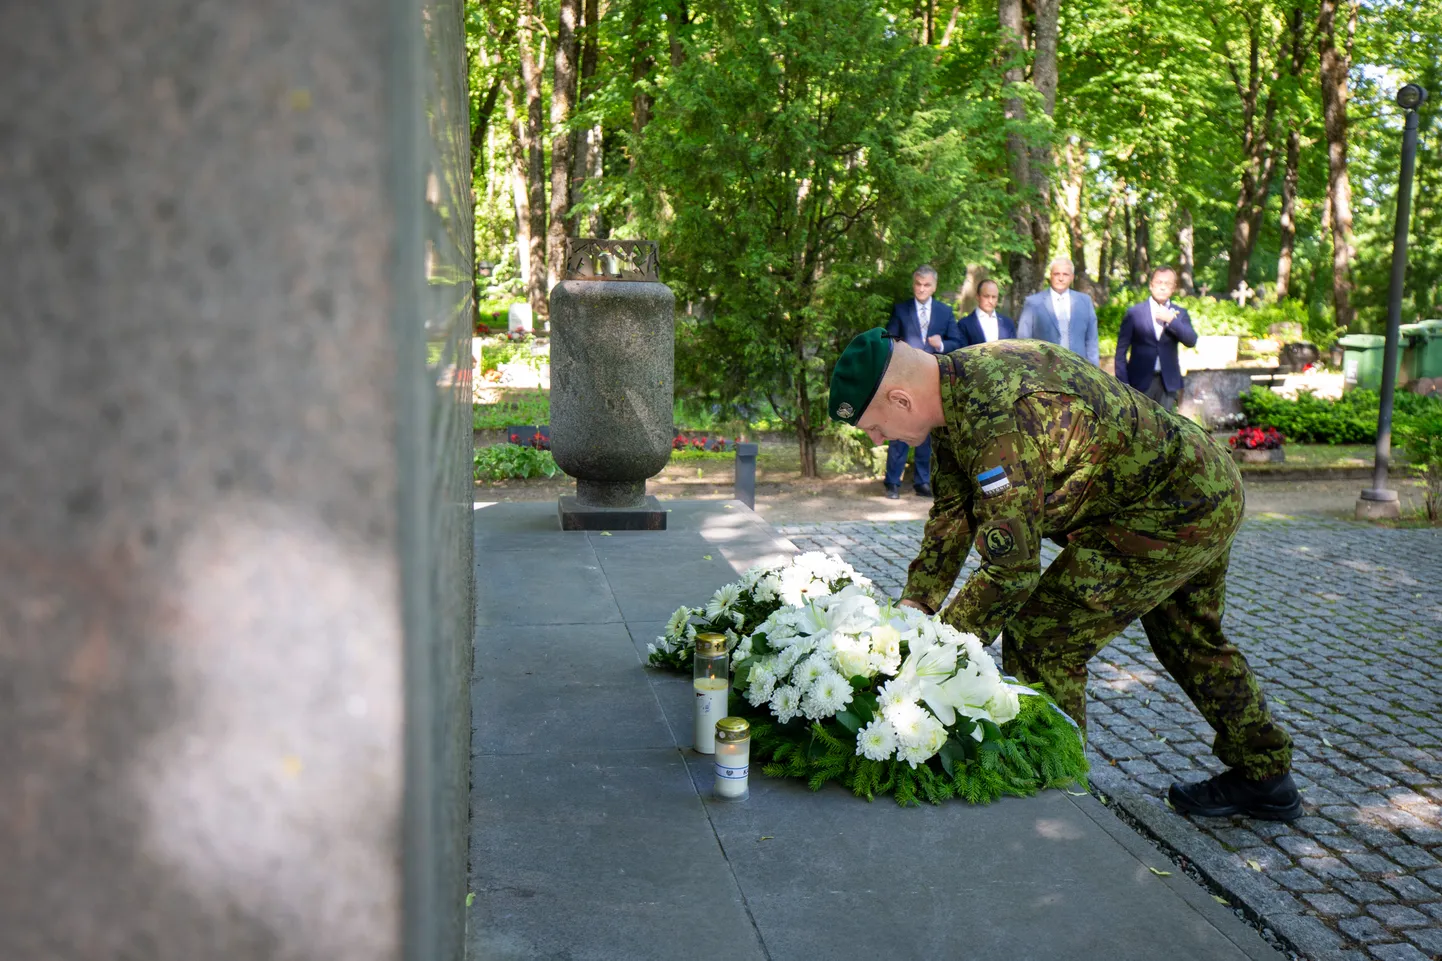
1107 253
1258 157
641 64
1335 65
1019 264
1072 201
951 26
1142 266
586 155
563 104
1044 78
1186 243
1288 239
679 17
1128 262
805 433
536 290
519 189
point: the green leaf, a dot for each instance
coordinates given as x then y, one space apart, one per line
948 759
849 721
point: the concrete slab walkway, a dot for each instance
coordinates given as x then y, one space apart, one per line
593 835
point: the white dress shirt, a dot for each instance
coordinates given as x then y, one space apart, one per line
1160 329
923 316
1061 306
990 328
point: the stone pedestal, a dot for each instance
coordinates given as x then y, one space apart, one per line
235 573
1378 505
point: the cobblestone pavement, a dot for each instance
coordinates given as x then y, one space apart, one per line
1343 623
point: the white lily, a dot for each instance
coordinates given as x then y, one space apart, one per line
968 692
924 671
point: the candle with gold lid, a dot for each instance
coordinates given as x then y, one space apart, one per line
733 758
712 681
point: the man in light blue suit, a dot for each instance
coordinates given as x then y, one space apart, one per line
1062 316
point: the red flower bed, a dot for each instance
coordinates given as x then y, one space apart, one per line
1256 438
702 442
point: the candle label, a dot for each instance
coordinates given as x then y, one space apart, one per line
732 773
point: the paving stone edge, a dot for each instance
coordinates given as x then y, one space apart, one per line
1278 916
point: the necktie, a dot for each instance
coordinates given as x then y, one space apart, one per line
1063 318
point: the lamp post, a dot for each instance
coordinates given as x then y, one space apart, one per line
1379 501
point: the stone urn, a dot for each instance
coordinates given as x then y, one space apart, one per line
612 383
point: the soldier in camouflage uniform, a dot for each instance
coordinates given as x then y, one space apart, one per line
1030 442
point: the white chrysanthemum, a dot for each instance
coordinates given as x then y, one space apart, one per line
891 694
761 682
723 600
787 657
690 632
786 702
829 694
768 588
876 740
915 754
811 670
885 649
909 721
678 620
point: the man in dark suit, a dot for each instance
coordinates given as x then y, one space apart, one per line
984 325
1150 333
926 324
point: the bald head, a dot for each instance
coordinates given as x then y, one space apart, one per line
907 405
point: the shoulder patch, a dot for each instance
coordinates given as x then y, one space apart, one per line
999 541
993 482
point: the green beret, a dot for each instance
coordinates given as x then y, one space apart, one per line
858 374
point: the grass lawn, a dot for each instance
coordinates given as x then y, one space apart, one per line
1327 456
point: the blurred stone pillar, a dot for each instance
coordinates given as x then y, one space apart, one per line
235 573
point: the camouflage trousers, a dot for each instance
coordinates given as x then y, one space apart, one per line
1105 578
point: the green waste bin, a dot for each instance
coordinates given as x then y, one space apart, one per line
1409 338
1362 360
1427 349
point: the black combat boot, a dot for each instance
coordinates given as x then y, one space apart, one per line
1273 799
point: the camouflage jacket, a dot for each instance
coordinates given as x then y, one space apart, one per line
1039 443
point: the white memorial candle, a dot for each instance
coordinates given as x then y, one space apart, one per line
733 758
712 680
710 707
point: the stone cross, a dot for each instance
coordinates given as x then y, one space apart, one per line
1242 294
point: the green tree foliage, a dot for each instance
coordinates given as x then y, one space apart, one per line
800 162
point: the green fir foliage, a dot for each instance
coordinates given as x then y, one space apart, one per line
1038 749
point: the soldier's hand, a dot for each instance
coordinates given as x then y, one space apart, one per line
916 604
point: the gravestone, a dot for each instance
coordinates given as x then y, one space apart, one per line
235 512
1296 356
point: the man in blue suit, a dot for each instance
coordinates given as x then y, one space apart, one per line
926 324
984 325
1061 315
1150 333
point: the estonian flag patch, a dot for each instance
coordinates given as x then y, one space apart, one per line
993 482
